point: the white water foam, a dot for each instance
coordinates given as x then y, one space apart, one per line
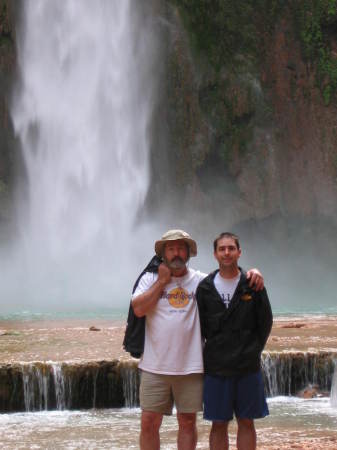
119 428
81 112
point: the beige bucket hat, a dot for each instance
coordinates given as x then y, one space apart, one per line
174 235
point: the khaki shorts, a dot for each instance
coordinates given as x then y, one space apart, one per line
159 392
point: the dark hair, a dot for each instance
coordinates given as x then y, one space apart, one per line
226 234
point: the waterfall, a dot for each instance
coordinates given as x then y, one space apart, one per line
108 384
81 111
43 387
333 395
36 381
277 372
60 386
39 386
130 385
287 373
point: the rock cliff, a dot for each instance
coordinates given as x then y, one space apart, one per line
251 106
7 68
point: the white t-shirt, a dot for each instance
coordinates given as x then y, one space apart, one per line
173 343
226 287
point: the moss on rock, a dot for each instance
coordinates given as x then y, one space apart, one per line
7 67
316 24
245 70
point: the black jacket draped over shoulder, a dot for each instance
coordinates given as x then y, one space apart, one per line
134 336
234 337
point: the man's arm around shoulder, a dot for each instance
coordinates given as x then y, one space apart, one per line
142 304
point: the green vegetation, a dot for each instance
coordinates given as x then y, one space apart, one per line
6 41
316 24
4 18
221 29
230 41
3 187
226 39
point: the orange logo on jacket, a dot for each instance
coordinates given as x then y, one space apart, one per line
246 297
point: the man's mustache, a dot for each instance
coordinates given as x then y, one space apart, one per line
176 263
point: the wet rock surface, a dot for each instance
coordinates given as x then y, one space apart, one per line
311 334
72 340
60 340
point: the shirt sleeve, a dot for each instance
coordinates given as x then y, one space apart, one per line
264 317
145 283
200 303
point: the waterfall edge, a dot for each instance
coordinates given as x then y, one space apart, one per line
38 386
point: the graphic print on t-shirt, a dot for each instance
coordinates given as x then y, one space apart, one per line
226 299
226 287
178 297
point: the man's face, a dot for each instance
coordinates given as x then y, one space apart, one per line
176 254
227 254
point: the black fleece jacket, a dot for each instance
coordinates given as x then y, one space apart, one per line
134 337
234 337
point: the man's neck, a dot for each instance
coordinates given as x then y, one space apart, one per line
229 272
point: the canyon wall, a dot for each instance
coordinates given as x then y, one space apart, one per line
7 74
251 108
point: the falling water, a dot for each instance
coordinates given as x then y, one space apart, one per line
286 373
333 395
50 385
36 380
81 112
60 386
277 373
130 378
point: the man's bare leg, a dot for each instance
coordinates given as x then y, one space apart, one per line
218 438
246 439
187 432
149 432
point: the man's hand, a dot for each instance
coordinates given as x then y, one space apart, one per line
164 274
255 278
144 303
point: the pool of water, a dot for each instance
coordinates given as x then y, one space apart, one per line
291 420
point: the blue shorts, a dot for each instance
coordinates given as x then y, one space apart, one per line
242 395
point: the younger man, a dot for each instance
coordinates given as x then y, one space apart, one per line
235 323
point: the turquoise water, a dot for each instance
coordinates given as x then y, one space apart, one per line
121 314
305 311
103 313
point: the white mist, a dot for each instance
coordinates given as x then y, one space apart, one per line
81 110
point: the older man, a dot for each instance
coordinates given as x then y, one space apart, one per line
171 364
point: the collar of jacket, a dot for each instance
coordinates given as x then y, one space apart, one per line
241 289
